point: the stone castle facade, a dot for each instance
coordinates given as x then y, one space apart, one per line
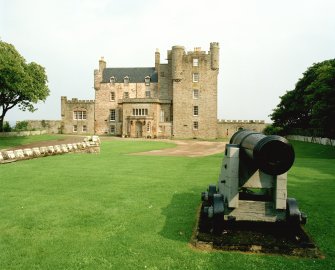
177 99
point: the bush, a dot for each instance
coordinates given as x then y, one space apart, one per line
21 126
272 130
7 127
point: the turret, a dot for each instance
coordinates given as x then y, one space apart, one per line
214 55
63 107
177 61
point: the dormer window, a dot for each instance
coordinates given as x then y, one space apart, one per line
112 79
147 80
126 80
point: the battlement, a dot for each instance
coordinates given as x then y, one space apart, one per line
77 101
224 121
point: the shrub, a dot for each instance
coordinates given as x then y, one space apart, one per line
7 127
273 130
21 126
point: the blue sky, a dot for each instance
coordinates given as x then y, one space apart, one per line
265 45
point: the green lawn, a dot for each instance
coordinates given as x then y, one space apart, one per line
6 142
119 211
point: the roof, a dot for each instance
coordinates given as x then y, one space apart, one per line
136 75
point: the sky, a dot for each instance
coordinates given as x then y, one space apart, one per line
265 46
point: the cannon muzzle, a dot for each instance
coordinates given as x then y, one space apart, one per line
271 154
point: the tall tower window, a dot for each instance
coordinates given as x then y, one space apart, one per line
195 93
195 77
195 62
112 115
112 129
112 97
162 116
148 127
195 110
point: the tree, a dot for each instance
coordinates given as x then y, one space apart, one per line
21 84
312 102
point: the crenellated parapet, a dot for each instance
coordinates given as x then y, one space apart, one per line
224 121
77 101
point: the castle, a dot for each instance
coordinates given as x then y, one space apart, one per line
177 99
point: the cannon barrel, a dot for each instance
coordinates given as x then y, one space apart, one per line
272 154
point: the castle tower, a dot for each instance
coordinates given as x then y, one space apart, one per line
194 91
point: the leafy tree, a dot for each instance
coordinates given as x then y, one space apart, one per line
312 102
21 84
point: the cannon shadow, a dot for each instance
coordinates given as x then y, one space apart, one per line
180 216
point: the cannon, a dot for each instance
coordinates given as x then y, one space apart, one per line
252 185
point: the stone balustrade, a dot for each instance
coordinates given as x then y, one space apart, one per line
91 144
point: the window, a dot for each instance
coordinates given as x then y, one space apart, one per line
112 96
140 112
162 116
75 129
79 115
84 128
126 94
147 93
195 125
148 127
195 62
162 74
126 80
112 79
112 129
195 93
195 77
147 80
195 110
112 115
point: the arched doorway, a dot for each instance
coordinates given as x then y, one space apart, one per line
139 129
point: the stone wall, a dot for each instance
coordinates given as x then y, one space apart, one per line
23 133
319 140
226 128
51 126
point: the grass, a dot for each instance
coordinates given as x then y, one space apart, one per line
6 142
119 211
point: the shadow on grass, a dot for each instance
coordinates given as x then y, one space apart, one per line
180 216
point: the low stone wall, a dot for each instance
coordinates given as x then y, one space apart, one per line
319 140
51 126
22 133
91 144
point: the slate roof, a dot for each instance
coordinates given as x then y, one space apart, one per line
136 75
